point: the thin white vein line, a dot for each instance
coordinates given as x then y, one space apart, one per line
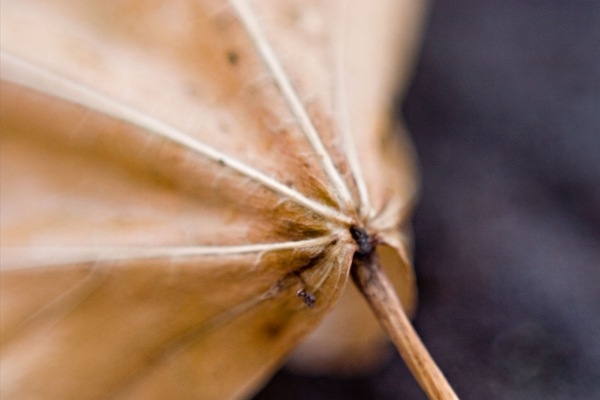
250 22
19 71
341 101
48 256
63 304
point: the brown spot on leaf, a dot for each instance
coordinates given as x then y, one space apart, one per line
233 57
272 330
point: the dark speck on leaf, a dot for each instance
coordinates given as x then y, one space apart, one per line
233 57
308 298
272 330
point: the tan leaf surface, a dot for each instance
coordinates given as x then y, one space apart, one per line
174 174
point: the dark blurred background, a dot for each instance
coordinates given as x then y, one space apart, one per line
504 110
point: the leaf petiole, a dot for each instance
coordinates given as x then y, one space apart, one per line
375 286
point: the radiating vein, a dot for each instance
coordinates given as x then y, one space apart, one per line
21 72
341 100
176 346
58 307
49 256
271 61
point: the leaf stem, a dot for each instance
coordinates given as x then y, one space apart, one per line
379 292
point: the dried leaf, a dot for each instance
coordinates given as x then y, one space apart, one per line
185 186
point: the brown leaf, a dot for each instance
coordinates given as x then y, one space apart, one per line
182 180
